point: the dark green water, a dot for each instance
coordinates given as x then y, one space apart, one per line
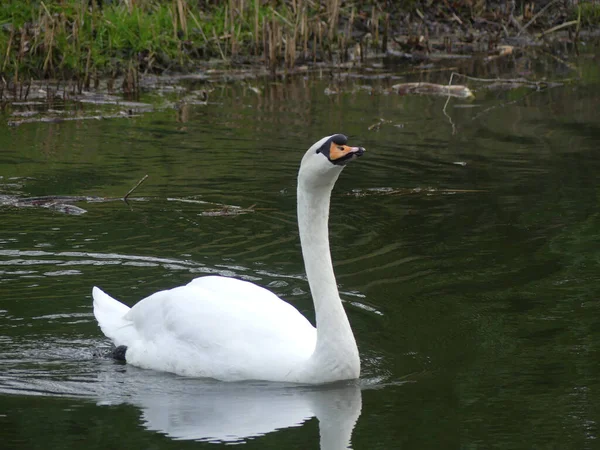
469 263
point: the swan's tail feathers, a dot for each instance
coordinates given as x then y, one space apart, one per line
110 315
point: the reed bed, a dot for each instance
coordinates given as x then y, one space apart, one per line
83 40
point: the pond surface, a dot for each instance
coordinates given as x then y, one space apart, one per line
468 260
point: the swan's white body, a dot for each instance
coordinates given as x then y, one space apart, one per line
232 330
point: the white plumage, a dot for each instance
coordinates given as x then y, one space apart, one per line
232 330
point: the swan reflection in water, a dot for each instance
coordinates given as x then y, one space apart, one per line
212 411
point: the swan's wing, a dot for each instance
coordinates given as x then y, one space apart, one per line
219 327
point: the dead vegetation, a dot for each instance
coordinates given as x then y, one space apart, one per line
82 43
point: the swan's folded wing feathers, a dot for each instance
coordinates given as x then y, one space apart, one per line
223 324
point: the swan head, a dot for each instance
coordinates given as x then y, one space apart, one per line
325 159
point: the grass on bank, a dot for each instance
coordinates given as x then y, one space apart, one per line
84 39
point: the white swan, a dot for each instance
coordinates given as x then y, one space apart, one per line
233 330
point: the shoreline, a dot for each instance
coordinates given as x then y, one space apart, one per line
82 43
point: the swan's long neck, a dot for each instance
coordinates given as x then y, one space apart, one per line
336 354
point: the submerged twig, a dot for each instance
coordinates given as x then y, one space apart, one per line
446 104
134 188
502 105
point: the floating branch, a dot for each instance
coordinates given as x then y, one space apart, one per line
433 89
222 208
228 210
377 125
413 191
60 203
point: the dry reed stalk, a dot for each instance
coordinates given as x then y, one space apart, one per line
232 43
271 39
225 27
333 11
279 41
304 30
28 88
348 33
577 30
291 37
81 20
46 9
386 32
199 26
131 80
174 19
256 10
314 47
290 51
110 83
86 77
274 11
265 42
275 41
320 39
75 33
22 44
94 15
48 44
181 9
8 47
216 38
375 26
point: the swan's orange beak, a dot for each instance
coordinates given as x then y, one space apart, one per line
341 154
